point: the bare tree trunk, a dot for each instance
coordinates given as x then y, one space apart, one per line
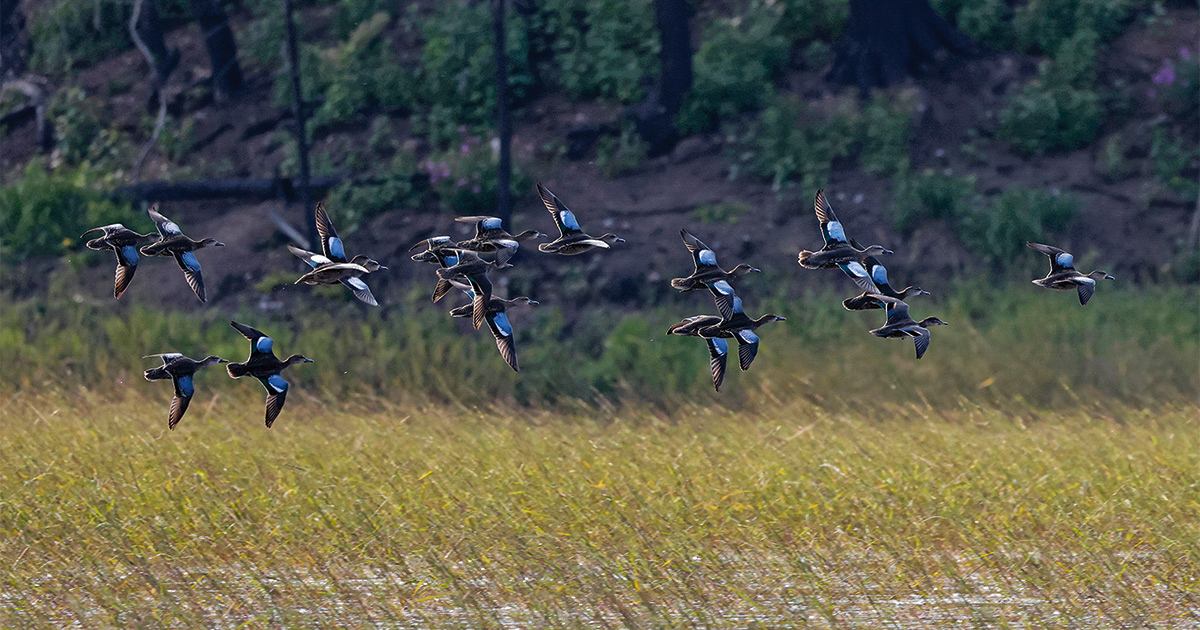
888 40
655 117
503 116
146 31
222 48
13 40
158 78
293 60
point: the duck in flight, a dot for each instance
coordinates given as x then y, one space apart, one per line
571 240
180 370
497 321
125 243
474 271
838 251
331 266
718 348
709 275
901 325
878 275
182 248
265 366
492 238
1063 275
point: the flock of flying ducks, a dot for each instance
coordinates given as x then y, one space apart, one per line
465 265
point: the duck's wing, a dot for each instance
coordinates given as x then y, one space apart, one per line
718 351
441 289
702 255
724 296
831 228
184 389
277 390
482 224
333 247
1086 287
1060 260
191 271
260 343
747 347
502 330
483 295
897 310
859 274
430 243
127 262
567 224
360 290
166 227
313 259
166 357
877 271
921 341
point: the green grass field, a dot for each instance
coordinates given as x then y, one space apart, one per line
375 514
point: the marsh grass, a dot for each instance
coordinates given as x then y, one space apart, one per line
369 513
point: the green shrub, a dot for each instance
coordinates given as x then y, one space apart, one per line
602 48
985 21
998 233
361 73
734 68
465 176
1058 110
931 195
720 212
622 154
81 131
356 202
819 20
43 213
1171 157
886 123
456 79
1043 25
793 143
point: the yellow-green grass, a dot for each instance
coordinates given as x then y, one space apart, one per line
368 513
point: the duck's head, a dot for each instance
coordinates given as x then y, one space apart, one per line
370 264
210 242
770 317
524 299
912 291
612 239
298 358
932 321
1100 275
211 359
528 234
744 269
876 250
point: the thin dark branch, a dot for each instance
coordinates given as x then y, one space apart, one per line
293 61
503 117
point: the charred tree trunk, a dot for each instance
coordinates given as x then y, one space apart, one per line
654 118
148 35
888 40
13 40
222 48
503 116
301 130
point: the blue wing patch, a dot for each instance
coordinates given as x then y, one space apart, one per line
189 259
491 223
707 257
568 219
336 249
737 304
264 344
720 345
277 384
747 336
836 232
451 260
502 324
723 288
879 274
130 254
1066 260
186 386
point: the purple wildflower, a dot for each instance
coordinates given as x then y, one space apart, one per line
1185 53
1165 74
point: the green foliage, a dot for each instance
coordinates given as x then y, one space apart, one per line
360 74
622 154
465 176
712 213
76 32
1058 110
817 20
793 143
177 139
886 125
734 68
82 134
456 80
1172 157
351 15
1043 25
602 48
356 202
931 195
43 213
998 233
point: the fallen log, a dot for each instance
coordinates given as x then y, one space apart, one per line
228 188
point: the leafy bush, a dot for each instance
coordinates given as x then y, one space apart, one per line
1172 156
734 68
1043 25
465 176
819 20
356 202
720 212
792 143
1176 83
1058 110
455 82
622 154
998 233
602 48
886 123
43 213
82 134
931 195
362 73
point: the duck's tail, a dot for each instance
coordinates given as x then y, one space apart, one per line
237 370
803 259
157 374
682 284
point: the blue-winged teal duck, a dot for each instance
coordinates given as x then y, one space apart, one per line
900 325
718 349
878 274
498 322
182 248
709 274
492 238
571 238
265 366
180 370
124 242
440 251
474 270
325 271
838 252
742 328
1063 275
333 247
